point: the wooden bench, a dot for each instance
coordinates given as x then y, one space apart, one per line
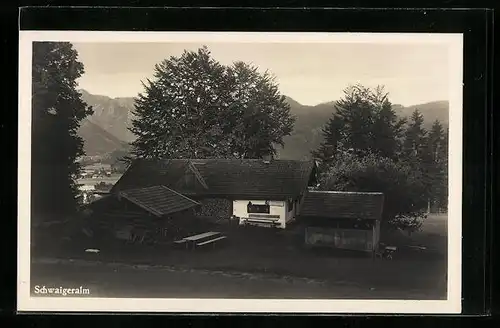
211 241
270 223
180 242
194 240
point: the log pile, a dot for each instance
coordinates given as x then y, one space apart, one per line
215 207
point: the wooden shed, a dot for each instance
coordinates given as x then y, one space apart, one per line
155 212
343 220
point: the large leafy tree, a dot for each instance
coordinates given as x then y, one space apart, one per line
57 109
363 122
195 107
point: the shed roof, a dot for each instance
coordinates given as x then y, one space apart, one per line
275 179
343 205
158 200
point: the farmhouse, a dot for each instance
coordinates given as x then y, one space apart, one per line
255 191
343 220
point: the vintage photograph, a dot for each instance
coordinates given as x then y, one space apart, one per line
232 172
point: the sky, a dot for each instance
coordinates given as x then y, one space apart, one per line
310 73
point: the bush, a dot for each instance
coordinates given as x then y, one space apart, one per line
404 193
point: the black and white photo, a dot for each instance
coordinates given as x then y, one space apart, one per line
240 172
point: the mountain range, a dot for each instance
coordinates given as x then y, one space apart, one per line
107 129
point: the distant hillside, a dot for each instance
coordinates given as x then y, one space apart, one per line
432 111
112 114
98 141
106 130
307 134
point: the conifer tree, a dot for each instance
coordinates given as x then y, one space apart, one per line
387 128
363 122
443 195
414 142
438 148
332 144
426 151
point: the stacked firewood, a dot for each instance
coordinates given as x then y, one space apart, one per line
213 207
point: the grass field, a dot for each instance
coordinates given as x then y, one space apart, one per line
257 263
436 224
433 235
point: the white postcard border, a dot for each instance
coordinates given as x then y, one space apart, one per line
71 304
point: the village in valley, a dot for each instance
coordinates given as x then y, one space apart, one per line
203 201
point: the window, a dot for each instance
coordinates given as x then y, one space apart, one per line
253 208
290 205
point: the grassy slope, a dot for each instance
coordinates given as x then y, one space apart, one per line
270 260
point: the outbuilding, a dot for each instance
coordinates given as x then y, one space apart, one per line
156 213
342 220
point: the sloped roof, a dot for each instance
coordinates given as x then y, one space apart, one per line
147 173
276 179
343 205
158 200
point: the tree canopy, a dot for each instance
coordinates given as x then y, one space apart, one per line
363 122
402 186
195 107
367 147
57 109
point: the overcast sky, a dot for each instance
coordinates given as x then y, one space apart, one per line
309 73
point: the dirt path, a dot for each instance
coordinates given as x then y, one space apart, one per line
120 280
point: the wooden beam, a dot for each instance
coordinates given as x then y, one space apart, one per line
197 174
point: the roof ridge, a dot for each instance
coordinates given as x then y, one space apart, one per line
221 176
225 159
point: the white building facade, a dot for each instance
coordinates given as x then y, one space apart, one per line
277 213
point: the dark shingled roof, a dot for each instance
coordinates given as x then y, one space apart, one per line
276 179
343 205
158 200
147 173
